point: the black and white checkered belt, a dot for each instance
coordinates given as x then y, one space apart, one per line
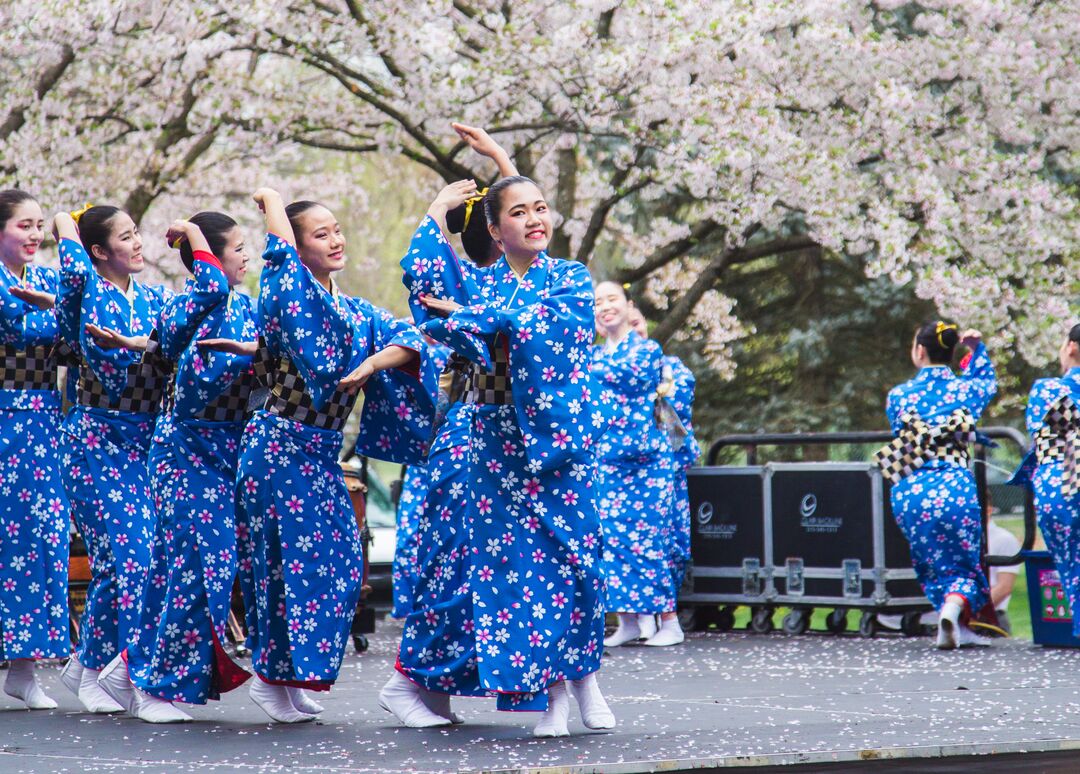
1058 440
33 368
147 380
491 387
229 406
918 443
290 399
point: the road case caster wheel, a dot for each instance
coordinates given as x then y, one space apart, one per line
836 621
725 619
360 642
691 618
796 621
911 624
761 621
868 624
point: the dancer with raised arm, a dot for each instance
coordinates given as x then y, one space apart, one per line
520 613
33 504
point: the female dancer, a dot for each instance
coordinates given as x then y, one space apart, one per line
520 613
682 399
1053 422
325 346
33 505
106 316
933 495
177 655
634 488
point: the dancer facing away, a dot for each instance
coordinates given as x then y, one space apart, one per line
1050 470
634 485
682 400
520 613
33 504
933 495
425 533
324 347
177 654
107 317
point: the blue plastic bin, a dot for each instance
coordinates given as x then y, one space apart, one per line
1051 619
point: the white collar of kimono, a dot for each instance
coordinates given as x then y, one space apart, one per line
129 296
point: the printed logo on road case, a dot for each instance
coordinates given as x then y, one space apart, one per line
721 529
811 522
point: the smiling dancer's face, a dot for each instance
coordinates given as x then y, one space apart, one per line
524 221
22 235
234 258
612 309
123 253
320 242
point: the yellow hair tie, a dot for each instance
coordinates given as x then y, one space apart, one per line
939 329
469 205
626 286
79 213
178 241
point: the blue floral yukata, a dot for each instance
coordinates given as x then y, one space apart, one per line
414 488
193 460
682 400
1045 470
510 602
104 445
937 505
306 557
635 483
33 504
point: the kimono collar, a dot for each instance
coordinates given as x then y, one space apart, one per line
1073 374
14 276
936 371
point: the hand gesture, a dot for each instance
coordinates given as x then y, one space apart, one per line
477 139
454 195
971 338
107 338
38 298
231 346
178 232
358 378
443 307
264 195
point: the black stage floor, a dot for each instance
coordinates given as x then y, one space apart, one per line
719 700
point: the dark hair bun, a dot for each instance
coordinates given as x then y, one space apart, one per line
214 226
940 339
1074 333
950 337
471 223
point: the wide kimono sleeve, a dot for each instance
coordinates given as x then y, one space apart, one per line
1041 397
893 407
431 267
980 381
683 402
399 403
184 313
301 321
76 272
12 312
549 344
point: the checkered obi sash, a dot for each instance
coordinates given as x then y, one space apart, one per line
290 399
33 368
918 443
1058 440
147 380
491 387
231 405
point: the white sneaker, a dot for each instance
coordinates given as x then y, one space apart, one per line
301 701
555 721
948 624
116 682
647 625
969 639
151 709
402 698
274 701
595 712
22 684
627 631
93 697
670 633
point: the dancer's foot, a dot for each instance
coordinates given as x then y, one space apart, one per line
71 674
302 702
948 626
969 639
404 699
555 721
595 712
151 709
670 633
647 625
274 701
93 697
22 684
627 631
116 682
439 703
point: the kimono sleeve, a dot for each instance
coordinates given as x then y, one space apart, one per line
1042 395
980 381
76 271
184 313
12 312
399 404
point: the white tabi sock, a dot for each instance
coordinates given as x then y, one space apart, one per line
948 626
93 697
439 703
22 684
555 721
595 712
404 699
151 709
274 701
301 701
670 633
116 682
647 625
627 631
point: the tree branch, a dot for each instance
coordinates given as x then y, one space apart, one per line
49 77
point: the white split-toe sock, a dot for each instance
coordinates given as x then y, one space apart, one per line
647 624
948 633
595 712
627 631
967 638
555 721
405 700
302 702
439 703
274 701
22 684
71 674
670 633
151 709
115 681
91 694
